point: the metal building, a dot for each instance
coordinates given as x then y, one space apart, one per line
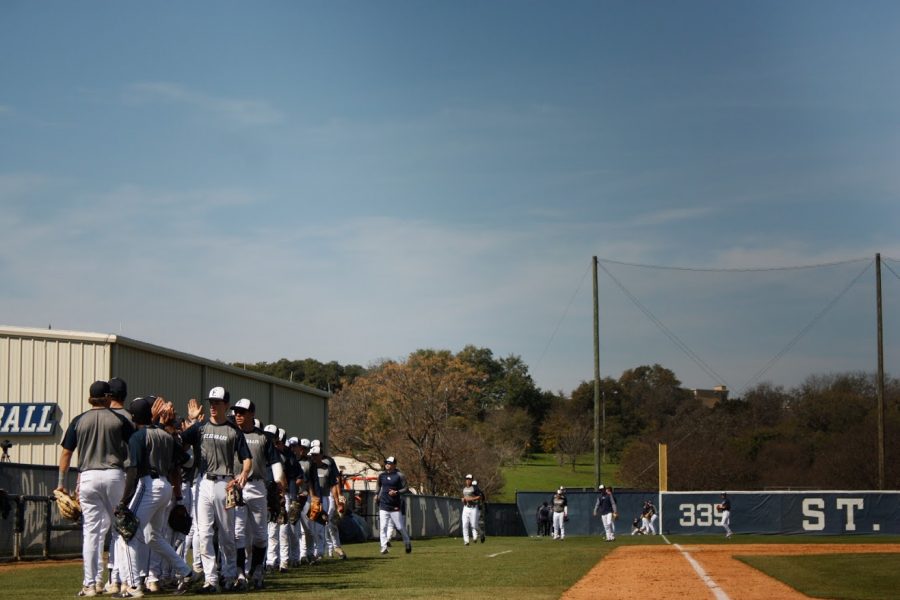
45 375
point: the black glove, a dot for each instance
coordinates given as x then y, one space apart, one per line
180 520
126 522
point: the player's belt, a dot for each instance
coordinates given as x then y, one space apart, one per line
212 477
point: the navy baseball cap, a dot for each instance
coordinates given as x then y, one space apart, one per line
118 388
141 410
99 389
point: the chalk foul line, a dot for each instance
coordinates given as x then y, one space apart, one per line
499 553
718 592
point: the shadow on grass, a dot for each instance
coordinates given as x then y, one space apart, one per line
330 575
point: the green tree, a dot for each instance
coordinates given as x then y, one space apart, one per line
421 410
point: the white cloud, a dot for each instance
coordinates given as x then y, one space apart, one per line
239 111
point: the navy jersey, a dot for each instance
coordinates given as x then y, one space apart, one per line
395 480
726 504
292 470
101 437
605 504
324 475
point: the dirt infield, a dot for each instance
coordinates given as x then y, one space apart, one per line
649 572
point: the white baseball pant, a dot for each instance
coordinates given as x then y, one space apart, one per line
395 518
150 505
608 526
559 526
470 516
99 491
211 514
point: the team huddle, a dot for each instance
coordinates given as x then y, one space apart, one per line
241 498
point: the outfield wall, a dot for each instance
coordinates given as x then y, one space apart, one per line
832 512
807 512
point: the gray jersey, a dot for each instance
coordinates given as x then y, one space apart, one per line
153 451
471 490
305 466
101 437
263 453
125 413
218 446
559 503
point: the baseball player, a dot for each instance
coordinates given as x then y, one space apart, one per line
100 435
219 441
308 550
325 478
649 517
482 511
389 491
182 542
155 457
560 506
272 551
252 518
288 532
471 500
118 392
725 508
606 508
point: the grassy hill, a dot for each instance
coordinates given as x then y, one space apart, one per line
542 472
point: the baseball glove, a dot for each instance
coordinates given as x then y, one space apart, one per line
126 523
294 513
273 501
315 510
68 505
233 496
180 520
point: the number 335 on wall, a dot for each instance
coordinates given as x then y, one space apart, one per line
699 515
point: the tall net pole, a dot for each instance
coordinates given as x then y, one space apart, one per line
597 440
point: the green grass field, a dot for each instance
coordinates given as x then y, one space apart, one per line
506 568
838 576
541 472
514 568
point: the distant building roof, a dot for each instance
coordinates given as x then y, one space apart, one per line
709 398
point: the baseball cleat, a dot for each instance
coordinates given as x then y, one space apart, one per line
208 589
111 588
88 591
153 587
341 554
384 550
408 547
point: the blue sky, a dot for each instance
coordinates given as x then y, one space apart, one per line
352 181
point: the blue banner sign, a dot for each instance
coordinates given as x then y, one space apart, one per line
27 419
817 512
